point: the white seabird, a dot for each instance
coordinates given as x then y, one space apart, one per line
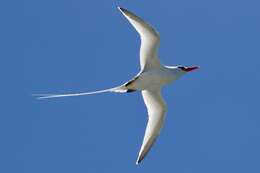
152 76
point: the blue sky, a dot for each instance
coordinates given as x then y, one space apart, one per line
56 46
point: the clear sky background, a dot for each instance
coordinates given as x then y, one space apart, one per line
63 46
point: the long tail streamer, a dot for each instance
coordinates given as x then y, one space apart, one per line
120 89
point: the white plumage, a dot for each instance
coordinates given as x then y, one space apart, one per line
152 76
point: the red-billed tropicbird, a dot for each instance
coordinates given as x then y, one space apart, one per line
152 76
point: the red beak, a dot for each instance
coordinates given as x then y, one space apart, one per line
188 69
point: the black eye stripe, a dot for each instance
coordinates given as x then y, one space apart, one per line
181 67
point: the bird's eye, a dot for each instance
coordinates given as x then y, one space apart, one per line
181 67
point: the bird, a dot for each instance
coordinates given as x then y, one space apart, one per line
153 75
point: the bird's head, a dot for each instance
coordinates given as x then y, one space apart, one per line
187 69
180 70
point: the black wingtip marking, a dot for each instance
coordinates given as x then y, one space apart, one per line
139 160
122 9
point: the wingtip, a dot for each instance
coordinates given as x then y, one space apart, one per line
137 162
139 159
121 9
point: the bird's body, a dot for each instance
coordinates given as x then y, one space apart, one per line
152 76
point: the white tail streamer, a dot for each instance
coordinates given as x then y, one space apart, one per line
120 89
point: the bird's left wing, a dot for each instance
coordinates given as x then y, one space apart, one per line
150 40
156 108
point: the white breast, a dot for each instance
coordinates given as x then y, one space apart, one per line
153 79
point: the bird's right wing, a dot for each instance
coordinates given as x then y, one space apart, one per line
150 40
156 108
